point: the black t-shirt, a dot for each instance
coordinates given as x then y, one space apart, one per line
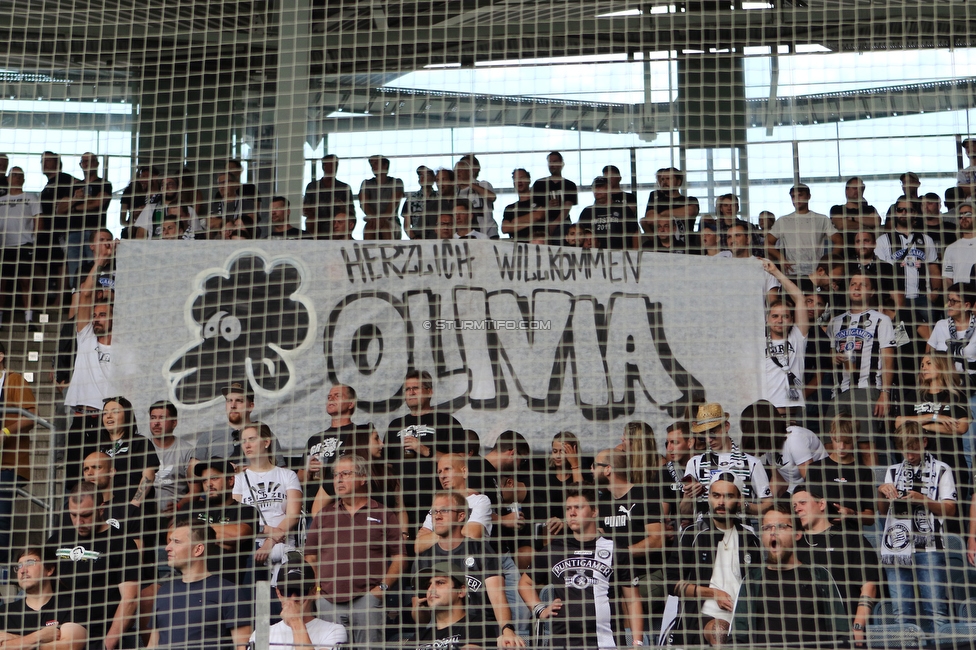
229 563
134 199
587 577
613 225
819 358
625 520
789 608
848 557
418 474
59 187
852 486
947 447
660 201
554 189
520 209
94 568
326 203
20 620
327 446
81 219
863 210
883 273
469 631
200 615
479 561
656 244
670 487
131 455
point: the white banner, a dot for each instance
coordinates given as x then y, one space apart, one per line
533 338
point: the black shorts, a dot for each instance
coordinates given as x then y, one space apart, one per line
18 262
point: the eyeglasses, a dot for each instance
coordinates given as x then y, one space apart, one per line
901 210
345 474
776 528
26 563
953 301
601 465
442 512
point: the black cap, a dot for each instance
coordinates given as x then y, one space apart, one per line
444 568
296 577
222 465
241 387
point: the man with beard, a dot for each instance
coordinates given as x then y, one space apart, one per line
915 259
960 255
628 513
322 449
414 440
175 458
99 564
234 524
591 581
784 602
723 456
852 562
42 619
226 443
93 376
863 343
714 556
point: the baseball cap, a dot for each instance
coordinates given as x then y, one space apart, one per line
222 465
444 568
241 387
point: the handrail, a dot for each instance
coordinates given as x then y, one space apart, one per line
39 421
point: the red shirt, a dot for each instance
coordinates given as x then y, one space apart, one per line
353 550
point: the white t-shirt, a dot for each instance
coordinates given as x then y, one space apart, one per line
726 575
804 239
910 254
92 379
481 210
958 260
322 633
721 255
800 446
473 234
145 218
268 492
784 356
966 176
939 341
480 513
17 218
862 337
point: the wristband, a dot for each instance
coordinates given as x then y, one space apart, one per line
538 609
858 627
6 431
384 586
508 626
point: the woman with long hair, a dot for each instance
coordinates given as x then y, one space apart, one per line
643 458
133 456
941 411
274 491
565 462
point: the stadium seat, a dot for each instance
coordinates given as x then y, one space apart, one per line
885 632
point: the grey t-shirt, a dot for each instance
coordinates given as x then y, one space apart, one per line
174 463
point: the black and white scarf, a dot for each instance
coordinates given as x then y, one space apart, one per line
956 345
914 527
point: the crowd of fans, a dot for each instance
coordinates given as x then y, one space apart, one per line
417 535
